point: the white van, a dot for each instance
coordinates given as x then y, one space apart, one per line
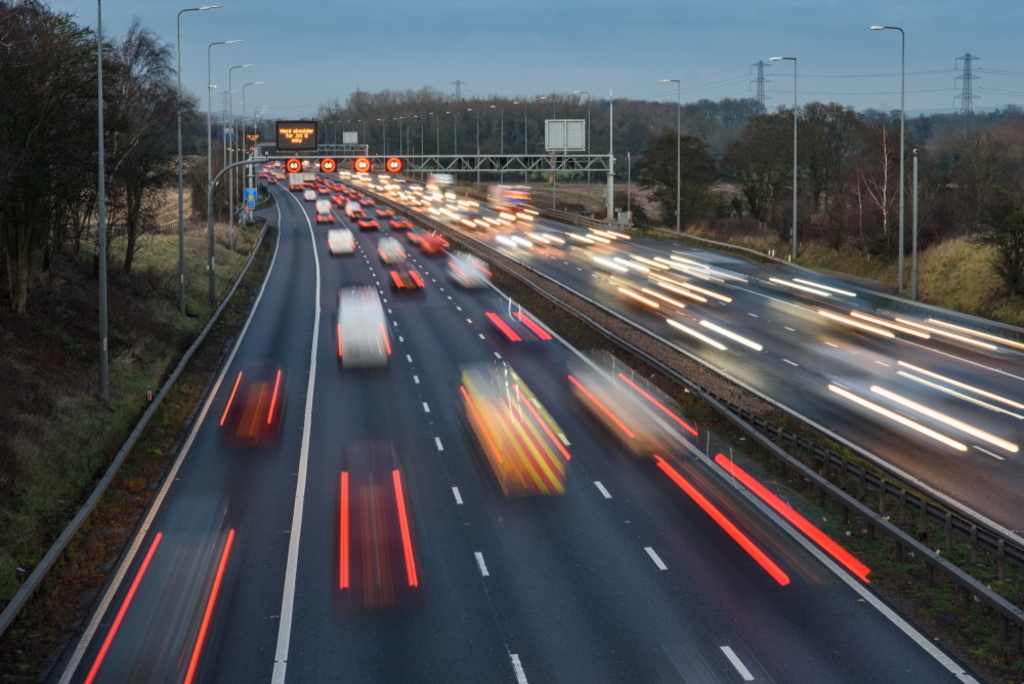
341 241
362 329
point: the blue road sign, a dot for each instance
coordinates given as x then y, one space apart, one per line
250 205
250 194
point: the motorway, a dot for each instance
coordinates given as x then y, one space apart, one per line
791 353
237 573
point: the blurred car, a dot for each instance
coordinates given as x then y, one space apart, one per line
384 212
362 331
414 235
405 279
390 250
368 224
354 211
517 326
641 416
468 271
432 243
338 200
341 241
271 179
366 201
309 195
379 564
400 224
523 444
252 414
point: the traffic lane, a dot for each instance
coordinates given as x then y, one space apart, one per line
235 478
451 637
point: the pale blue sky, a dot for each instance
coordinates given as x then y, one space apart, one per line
308 51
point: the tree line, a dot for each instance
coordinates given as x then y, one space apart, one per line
48 138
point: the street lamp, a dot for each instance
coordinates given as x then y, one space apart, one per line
584 92
526 145
231 157
181 183
384 127
913 249
903 113
245 146
679 148
211 263
502 136
793 59
469 109
101 202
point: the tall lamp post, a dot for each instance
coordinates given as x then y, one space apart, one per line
679 148
903 114
231 156
181 180
211 263
245 146
584 92
793 59
913 249
101 204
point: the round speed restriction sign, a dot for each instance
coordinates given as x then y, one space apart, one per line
394 165
362 165
293 165
328 165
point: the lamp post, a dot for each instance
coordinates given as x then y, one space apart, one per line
181 180
211 263
793 59
477 147
231 174
913 249
245 146
679 148
384 128
611 156
584 92
101 203
903 114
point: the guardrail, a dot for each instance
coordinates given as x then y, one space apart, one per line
42 569
769 436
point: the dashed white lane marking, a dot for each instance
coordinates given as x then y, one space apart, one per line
458 497
483 566
426 407
600 488
497 355
654 557
563 439
394 323
986 451
791 363
738 664
401 339
518 667
790 330
449 297
752 314
416 379
470 321
481 336
437 441
408 357
458 308
389 311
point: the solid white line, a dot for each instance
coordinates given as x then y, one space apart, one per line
518 667
986 451
483 566
416 379
458 497
738 664
791 363
437 441
284 632
426 408
600 488
655 558
154 507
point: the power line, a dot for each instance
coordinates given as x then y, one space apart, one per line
760 82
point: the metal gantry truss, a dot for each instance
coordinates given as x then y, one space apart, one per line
460 163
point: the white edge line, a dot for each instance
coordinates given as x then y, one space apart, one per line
737 663
154 507
284 632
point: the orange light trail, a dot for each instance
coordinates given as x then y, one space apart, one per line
657 403
231 398
387 341
210 603
509 332
343 579
403 521
124 609
544 424
339 340
622 426
273 399
848 560
737 535
483 426
640 298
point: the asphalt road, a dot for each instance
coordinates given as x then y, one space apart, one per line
624 578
